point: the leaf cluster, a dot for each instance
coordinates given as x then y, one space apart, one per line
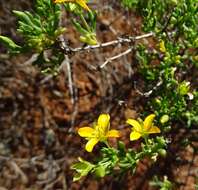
175 24
40 29
119 160
163 185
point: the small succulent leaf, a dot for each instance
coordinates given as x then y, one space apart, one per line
82 168
10 44
79 28
99 171
77 177
121 147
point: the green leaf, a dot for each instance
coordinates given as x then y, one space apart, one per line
82 168
121 147
99 171
77 177
23 16
79 28
10 44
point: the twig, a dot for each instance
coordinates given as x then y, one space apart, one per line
159 83
75 111
66 63
51 184
32 59
18 171
147 94
115 57
72 88
129 39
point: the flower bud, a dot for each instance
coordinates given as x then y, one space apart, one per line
164 119
162 152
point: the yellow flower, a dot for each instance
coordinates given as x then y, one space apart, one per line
162 47
81 3
141 129
99 133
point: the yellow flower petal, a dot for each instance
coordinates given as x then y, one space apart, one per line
86 132
90 144
113 133
154 129
148 122
134 136
103 123
162 46
81 3
59 1
136 125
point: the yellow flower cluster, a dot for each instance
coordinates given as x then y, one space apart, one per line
101 131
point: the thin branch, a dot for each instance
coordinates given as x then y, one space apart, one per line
71 86
19 172
66 63
147 94
67 70
159 83
129 39
115 57
32 59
